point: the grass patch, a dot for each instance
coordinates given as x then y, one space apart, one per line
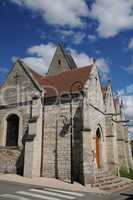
124 173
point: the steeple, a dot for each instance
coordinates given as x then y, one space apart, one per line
62 61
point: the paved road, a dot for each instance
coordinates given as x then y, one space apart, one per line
14 191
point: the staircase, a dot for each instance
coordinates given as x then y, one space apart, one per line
110 183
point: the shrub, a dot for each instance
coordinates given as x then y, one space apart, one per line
125 173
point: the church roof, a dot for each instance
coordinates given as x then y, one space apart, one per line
65 82
36 75
60 84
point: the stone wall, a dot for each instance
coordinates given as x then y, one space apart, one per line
96 118
33 142
14 99
111 145
11 160
111 139
122 153
57 151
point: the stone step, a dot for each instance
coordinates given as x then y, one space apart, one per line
115 186
109 182
106 181
103 173
104 178
127 187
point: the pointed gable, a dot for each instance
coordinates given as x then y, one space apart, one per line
19 84
108 97
62 61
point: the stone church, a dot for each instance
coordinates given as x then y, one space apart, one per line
62 125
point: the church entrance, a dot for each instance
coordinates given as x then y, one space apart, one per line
98 150
12 130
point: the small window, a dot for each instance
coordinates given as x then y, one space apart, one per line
59 62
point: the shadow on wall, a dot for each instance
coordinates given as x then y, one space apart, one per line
77 152
78 171
11 160
20 160
20 163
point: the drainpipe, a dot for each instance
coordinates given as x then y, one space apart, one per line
71 135
43 121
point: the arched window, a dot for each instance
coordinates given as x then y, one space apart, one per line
12 130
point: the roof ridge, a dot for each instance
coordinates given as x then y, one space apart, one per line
29 68
26 68
38 74
69 71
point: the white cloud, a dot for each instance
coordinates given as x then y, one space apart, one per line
113 16
104 68
75 37
58 12
79 37
128 103
82 59
65 33
130 46
37 64
3 70
126 95
129 69
129 89
126 91
92 38
14 59
42 57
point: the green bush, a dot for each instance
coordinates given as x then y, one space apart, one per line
125 173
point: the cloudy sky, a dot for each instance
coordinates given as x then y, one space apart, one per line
101 29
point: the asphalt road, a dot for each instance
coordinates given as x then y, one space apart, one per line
15 191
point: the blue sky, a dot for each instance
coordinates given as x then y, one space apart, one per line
100 29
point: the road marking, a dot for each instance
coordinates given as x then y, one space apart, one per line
52 193
66 192
37 195
14 197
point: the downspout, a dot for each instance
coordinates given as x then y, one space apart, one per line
42 143
71 137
